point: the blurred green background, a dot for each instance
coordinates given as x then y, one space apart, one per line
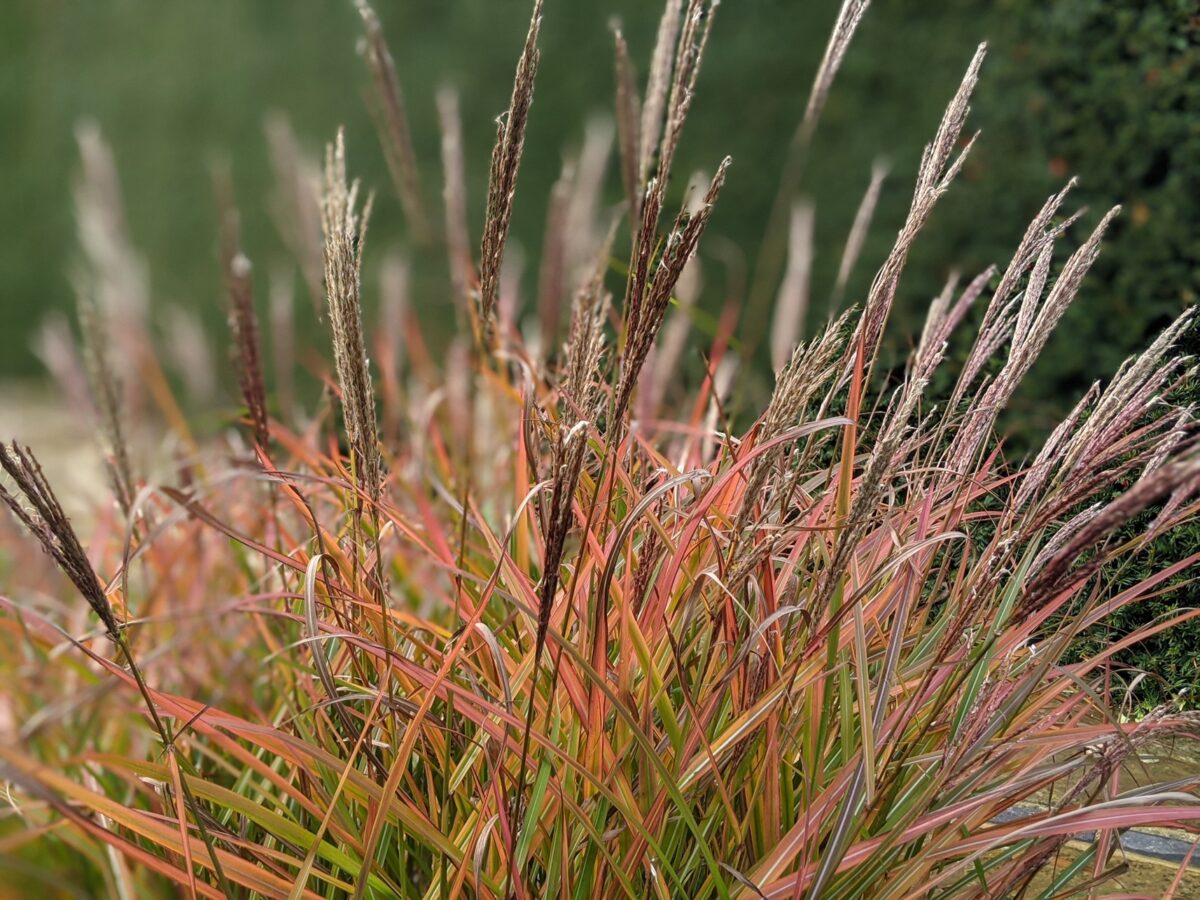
1108 90
1103 89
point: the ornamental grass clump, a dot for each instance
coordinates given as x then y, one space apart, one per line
563 625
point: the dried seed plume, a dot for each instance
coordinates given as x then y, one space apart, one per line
38 509
506 165
395 134
345 225
243 320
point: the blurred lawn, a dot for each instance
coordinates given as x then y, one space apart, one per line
176 85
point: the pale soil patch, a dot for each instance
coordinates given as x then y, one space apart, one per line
65 444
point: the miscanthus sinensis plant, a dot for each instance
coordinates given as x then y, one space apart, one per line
541 622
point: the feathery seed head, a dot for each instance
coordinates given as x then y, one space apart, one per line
344 225
44 518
